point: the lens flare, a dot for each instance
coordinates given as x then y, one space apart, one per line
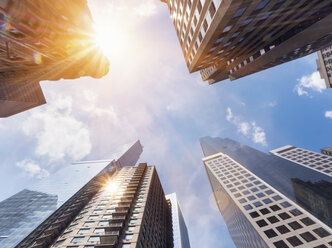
111 187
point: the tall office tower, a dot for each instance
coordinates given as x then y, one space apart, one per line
232 39
44 40
124 209
326 151
18 97
180 232
31 207
266 200
324 65
314 160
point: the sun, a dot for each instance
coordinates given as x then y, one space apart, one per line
110 39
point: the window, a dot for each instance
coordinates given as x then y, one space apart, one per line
280 244
89 223
239 12
283 229
133 221
94 239
83 231
131 228
77 239
254 214
128 236
226 29
284 216
307 236
275 207
265 211
321 232
99 230
270 233
273 219
59 242
261 223
295 225
307 221
93 217
262 4
125 246
103 223
294 241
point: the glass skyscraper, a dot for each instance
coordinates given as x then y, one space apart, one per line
267 200
26 210
180 232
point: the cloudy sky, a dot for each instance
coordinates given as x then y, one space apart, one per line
149 95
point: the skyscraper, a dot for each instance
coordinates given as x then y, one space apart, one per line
266 200
180 232
324 65
44 40
125 208
327 151
18 97
232 39
310 159
45 198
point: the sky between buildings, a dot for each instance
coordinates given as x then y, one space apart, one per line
149 95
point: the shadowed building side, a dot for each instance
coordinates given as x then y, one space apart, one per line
18 97
232 39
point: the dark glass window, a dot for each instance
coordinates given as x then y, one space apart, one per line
254 214
307 221
265 211
283 229
280 244
307 236
284 216
295 225
261 223
294 241
273 219
270 233
321 232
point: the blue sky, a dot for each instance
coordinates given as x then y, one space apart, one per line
149 95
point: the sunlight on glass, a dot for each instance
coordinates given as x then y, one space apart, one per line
111 187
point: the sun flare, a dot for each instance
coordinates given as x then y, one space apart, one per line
110 39
111 187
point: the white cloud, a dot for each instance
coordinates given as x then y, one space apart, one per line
310 82
32 169
93 109
57 132
259 135
273 104
249 129
328 114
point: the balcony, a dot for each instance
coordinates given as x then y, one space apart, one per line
114 227
107 242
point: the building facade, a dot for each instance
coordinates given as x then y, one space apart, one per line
326 151
18 97
266 200
324 65
47 197
316 161
232 39
180 231
44 40
124 209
